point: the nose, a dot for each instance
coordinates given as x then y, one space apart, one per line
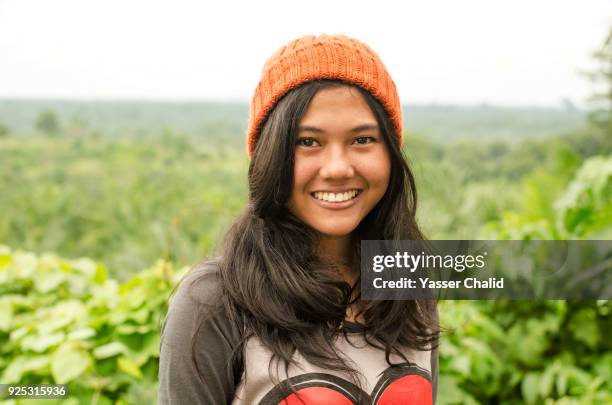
336 165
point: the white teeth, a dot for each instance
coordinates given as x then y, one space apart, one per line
333 197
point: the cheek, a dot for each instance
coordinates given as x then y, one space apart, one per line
303 171
377 171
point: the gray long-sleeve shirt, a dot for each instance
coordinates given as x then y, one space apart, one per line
215 381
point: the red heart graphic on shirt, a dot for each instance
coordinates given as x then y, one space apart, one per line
403 384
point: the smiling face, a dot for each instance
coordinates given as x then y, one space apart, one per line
342 166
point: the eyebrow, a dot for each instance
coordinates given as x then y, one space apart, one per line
358 128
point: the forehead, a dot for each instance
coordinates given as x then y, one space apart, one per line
337 107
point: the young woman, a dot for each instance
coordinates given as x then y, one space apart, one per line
277 317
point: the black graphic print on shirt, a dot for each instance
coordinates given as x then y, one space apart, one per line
404 384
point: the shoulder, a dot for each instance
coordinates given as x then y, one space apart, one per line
197 343
195 306
201 285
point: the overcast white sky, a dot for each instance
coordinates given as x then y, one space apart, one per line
516 52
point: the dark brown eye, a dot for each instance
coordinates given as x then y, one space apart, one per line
306 142
363 140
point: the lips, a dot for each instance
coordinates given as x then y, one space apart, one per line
337 205
335 197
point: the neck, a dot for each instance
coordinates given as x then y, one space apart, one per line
337 250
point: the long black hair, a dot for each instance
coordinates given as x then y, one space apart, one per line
273 283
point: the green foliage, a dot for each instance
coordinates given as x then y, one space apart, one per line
47 123
467 184
551 210
4 130
128 201
553 352
586 207
124 202
68 322
526 352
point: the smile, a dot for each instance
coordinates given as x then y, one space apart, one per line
335 197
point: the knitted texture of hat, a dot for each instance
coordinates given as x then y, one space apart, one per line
321 57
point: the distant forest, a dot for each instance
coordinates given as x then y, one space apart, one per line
228 120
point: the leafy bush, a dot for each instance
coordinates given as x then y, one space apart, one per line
67 322
582 210
553 352
516 352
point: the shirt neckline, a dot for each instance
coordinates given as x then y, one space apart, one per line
352 327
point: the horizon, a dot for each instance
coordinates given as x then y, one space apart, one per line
562 105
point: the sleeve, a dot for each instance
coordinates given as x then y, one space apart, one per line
434 364
434 373
197 340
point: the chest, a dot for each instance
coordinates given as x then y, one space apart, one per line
380 384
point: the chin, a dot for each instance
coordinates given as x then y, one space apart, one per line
335 231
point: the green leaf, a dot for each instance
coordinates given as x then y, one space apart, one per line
48 281
86 266
40 343
6 316
449 391
546 384
529 387
109 350
69 362
561 383
19 333
461 364
21 365
81 334
603 366
129 367
60 315
584 328
128 329
101 275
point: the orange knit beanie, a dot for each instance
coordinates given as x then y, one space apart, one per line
317 57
